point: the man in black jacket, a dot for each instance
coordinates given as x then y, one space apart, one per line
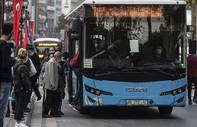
36 61
6 62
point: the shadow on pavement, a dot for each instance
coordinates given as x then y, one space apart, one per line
128 113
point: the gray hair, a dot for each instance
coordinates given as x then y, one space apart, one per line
57 54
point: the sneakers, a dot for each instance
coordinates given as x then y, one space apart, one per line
60 113
46 116
21 124
74 107
195 100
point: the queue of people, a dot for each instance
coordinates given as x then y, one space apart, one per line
19 70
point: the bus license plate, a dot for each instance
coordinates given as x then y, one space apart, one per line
137 102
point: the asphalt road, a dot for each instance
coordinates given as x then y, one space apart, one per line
117 117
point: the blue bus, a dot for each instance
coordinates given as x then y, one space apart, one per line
132 53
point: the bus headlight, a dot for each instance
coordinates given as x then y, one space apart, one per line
41 56
91 90
97 91
174 92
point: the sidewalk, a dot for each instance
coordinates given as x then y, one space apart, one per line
10 122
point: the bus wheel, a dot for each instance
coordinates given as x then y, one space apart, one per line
165 109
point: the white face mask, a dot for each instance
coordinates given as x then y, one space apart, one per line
63 60
158 51
31 54
12 55
58 61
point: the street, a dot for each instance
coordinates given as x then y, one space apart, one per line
117 117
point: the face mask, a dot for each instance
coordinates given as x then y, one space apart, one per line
158 51
58 61
31 54
63 60
12 55
96 45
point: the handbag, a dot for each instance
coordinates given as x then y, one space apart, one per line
74 63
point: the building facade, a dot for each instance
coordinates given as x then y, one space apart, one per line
66 6
46 14
1 15
75 3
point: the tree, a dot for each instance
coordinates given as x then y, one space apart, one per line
60 23
191 2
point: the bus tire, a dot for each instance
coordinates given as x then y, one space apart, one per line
165 109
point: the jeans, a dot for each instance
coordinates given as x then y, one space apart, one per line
189 83
4 94
21 96
75 99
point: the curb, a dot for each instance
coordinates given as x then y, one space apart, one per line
29 115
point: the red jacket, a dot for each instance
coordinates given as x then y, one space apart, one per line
192 66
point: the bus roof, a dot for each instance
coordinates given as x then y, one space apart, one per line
47 39
134 2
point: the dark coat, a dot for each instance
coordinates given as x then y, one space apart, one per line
192 66
6 62
36 61
21 76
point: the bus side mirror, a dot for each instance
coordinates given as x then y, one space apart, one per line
192 46
191 28
76 25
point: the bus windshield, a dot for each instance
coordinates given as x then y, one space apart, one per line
131 36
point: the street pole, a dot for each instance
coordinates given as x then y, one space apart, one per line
1 15
21 29
36 20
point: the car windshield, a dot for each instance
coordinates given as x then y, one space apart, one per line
135 36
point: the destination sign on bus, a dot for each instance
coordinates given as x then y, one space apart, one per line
128 12
47 44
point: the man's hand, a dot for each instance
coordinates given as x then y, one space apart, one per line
41 83
52 87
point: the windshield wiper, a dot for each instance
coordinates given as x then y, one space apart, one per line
109 73
166 73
